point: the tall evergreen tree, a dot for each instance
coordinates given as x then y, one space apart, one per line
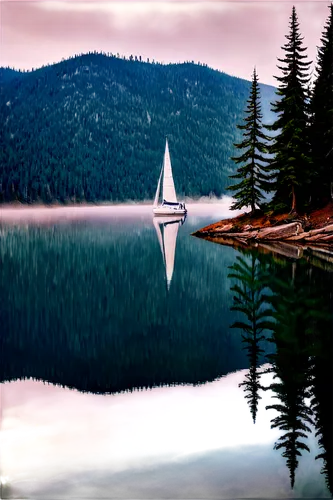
322 117
248 191
290 165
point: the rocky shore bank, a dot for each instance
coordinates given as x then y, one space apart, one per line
284 234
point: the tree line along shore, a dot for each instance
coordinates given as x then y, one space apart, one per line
291 159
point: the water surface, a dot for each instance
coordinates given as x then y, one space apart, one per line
93 298
130 324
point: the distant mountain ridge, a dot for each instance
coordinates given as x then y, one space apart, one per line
93 128
8 74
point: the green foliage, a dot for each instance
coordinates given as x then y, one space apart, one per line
93 128
251 171
299 171
291 163
322 118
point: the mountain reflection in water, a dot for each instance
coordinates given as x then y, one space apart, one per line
84 305
94 311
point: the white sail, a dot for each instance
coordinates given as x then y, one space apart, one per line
158 189
167 241
169 192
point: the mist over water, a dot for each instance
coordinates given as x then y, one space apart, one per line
116 386
207 207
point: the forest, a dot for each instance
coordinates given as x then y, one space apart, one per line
291 158
92 128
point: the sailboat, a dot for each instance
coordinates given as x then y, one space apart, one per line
169 205
167 230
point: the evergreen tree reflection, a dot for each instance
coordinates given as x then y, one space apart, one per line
248 299
291 328
294 302
322 372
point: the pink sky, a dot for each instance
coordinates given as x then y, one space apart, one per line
231 36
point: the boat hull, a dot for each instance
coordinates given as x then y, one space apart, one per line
162 211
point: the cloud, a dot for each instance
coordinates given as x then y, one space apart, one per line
230 36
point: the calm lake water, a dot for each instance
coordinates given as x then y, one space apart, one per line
137 361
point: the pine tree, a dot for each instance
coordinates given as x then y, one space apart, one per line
290 165
322 118
248 191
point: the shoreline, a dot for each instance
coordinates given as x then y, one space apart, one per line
313 230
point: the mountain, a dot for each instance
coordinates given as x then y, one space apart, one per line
93 127
8 74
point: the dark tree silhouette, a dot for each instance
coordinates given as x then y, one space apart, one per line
322 370
322 118
292 304
248 192
248 300
291 162
322 404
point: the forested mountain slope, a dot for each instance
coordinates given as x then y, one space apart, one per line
8 74
93 128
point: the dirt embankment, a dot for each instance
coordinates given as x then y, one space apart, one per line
315 228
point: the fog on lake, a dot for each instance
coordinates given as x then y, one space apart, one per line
161 352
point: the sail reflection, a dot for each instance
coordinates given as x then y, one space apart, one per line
167 231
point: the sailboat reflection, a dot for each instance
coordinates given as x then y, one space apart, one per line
167 230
